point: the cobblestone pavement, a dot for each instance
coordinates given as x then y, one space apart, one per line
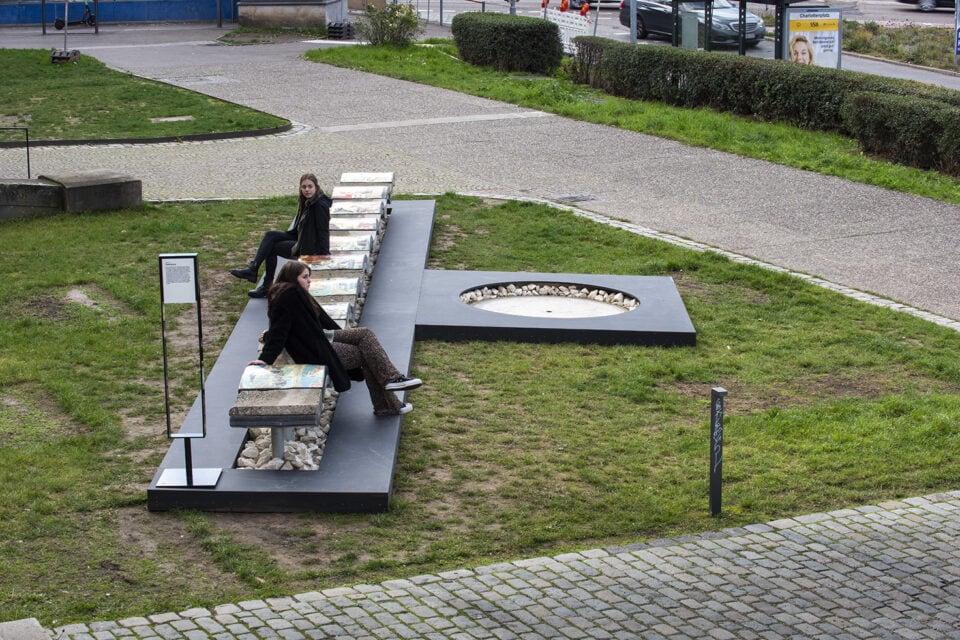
884 571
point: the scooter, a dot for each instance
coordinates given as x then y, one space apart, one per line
88 19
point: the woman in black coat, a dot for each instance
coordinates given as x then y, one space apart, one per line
301 326
309 234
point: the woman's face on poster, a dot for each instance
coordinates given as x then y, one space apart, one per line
801 52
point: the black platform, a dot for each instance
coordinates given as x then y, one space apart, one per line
356 471
404 301
660 320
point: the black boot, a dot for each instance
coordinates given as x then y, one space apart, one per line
261 291
249 272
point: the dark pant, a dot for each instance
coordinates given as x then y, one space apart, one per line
274 244
359 348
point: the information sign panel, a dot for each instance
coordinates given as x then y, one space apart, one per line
813 36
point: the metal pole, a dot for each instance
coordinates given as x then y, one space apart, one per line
633 21
956 33
742 28
716 448
188 461
675 36
707 24
778 30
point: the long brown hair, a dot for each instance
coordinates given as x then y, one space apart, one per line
287 279
303 202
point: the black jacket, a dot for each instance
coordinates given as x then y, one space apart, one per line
313 228
296 327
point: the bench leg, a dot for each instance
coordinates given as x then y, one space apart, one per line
278 436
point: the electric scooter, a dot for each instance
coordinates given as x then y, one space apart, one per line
88 19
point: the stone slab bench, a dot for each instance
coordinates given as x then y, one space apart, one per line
278 410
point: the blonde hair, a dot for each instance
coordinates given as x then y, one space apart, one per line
801 38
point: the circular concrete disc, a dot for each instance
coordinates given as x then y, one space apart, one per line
549 307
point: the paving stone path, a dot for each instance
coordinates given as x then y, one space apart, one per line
884 571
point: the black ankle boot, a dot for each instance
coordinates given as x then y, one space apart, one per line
259 292
249 273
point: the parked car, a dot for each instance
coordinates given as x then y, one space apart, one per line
930 5
655 18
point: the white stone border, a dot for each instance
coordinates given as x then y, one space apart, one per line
540 289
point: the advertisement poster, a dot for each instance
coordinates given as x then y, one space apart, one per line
813 36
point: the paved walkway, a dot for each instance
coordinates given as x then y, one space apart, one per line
886 571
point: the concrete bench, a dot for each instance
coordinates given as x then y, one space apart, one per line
280 401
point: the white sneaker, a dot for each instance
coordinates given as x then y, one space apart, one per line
406 408
403 383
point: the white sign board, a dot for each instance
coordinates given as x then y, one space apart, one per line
813 36
571 25
178 278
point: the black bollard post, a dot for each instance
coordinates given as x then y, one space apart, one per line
716 448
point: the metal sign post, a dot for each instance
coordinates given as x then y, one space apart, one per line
956 33
717 395
179 285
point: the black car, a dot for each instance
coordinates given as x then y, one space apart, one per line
656 19
930 5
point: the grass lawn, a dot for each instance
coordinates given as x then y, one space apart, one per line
513 450
87 100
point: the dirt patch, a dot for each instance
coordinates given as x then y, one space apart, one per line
30 413
14 121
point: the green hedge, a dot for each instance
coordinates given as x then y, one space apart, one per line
919 133
507 43
775 90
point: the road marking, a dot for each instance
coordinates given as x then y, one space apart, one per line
420 122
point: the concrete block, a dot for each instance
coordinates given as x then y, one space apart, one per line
27 629
97 190
24 198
